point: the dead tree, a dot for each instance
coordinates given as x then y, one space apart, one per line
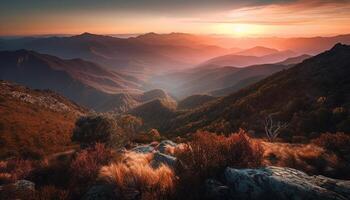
272 129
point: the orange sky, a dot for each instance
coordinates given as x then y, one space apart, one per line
282 18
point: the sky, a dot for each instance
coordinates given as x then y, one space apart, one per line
235 18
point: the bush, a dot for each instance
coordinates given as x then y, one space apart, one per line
208 154
85 167
99 129
339 143
15 169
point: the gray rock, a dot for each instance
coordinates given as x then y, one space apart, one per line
160 158
163 145
143 149
283 184
215 190
24 185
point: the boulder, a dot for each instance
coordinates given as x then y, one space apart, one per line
160 158
283 184
143 149
24 185
164 144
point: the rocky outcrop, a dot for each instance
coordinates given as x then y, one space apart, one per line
279 183
160 158
163 145
143 149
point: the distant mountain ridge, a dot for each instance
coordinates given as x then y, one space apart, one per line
127 54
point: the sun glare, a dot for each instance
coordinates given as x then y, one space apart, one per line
238 30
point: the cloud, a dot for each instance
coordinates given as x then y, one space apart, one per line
301 12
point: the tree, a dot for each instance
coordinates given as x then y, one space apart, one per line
99 129
272 129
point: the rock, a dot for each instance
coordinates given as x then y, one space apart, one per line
143 149
24 185
160 158
164 144
283 184
215 190
100 192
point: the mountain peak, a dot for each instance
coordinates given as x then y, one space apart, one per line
340 46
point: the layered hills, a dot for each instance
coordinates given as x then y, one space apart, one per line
312 97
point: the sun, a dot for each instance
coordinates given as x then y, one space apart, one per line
238 30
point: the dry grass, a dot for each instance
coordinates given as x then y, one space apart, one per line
133 174
306 157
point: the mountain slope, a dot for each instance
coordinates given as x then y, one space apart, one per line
194 101
33 122
313 96
81 81
199 80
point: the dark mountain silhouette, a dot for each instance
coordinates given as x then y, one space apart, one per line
312 96
34 122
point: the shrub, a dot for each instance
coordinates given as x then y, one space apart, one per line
208 154
15 169
338 143
86 164
99 129
51 193
134 174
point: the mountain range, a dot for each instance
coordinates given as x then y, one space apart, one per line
312 97
82 81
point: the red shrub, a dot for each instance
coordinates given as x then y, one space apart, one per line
208 154
17 168
85 167
338 143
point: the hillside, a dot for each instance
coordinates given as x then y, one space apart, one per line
155 113
124 102
34 122
199 80
84 82
194 101
312 96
